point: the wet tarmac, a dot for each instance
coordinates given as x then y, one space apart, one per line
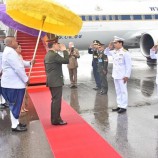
133 134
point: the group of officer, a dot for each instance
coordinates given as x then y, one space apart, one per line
121 69
100 66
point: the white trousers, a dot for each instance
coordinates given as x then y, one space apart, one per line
121 92
14 121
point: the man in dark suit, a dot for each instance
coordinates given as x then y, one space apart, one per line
102 68
53 66
93 49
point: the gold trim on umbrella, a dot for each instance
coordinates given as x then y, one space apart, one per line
58 19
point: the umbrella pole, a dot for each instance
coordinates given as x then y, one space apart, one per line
35 51
39 35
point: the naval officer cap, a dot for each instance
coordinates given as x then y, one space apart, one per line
100 44
96 42
116 39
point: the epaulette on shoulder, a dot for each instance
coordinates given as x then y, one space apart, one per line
125 50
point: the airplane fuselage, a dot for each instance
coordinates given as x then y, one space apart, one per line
103 19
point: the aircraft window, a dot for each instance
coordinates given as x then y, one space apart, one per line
104 17
100 17
153 17
97 17
87 18
83 18
143 17
137 17
90 18
93 17
113 17
126 17
107 17
116 17
156 16
131 17
119 17
148 17
110 17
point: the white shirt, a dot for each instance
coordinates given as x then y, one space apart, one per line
121 63
154 56
14 75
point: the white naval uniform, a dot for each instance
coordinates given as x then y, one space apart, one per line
121 68
14 75
155 56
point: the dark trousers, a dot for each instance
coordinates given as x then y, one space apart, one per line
104 83
96 76
14 97
56 93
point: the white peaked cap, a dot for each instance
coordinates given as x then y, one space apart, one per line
118 39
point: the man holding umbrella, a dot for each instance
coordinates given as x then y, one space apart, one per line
53 66
13 82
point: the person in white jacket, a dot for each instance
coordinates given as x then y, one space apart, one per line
154 55
3 103
13 82
26 64
121 72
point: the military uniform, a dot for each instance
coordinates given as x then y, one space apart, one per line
121 69
102 68
72 66
95 64
53 66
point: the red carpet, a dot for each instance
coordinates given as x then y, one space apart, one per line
75 140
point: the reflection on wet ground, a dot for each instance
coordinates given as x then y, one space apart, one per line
30 144
133 134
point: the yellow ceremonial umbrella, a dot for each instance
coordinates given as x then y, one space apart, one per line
44 15
55 18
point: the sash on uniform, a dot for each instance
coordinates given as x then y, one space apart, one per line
14 98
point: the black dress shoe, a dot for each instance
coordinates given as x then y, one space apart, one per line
155 116
60 123
116 109
96 88
122 110
5 105
22 125
102 93
19 129
72 86
2 107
